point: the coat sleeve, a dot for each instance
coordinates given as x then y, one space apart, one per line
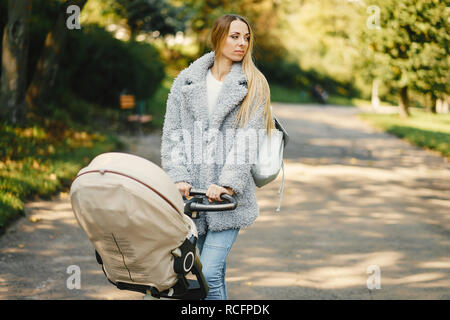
236 170
173 150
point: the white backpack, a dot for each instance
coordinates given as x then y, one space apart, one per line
270 158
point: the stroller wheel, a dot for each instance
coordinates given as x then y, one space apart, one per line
188 262
184 256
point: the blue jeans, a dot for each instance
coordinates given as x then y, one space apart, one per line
214 247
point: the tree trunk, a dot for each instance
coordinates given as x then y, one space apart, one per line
14 61
433 104
48 63
430 102
375 98
444 107
404 102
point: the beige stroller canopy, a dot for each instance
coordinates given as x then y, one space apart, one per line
133 214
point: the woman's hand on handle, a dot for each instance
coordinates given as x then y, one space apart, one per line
184 188
214 192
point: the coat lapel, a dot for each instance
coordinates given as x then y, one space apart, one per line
233 91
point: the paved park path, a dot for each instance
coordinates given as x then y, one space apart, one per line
361 209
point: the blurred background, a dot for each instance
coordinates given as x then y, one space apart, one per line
72 83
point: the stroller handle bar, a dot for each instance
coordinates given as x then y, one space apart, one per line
230 202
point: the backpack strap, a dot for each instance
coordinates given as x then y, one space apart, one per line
281 188
278 126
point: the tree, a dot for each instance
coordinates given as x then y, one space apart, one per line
410 47
263 15
48 63
322 35
151 15
14 61
430 43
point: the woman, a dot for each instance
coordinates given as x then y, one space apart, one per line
218 97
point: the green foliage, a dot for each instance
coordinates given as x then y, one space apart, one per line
141 16
431 131
17 143
156 106
284 71
320 36
39 161
97 67
42 19
148 70
152 15
281 93
101 12
410 47
340 40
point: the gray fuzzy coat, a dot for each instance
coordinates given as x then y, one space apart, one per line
188 139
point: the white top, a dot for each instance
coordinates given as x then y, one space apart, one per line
213 87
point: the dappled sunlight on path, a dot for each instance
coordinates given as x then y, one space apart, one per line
344 212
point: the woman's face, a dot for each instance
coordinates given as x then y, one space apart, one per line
236 43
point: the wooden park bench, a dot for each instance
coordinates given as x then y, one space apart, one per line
127 102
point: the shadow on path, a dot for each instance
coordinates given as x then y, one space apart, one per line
354 198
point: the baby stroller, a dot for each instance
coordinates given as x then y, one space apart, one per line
141 227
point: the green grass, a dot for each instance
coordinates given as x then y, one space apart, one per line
427 130
39 162
288 95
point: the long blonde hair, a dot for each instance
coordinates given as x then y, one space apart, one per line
258 87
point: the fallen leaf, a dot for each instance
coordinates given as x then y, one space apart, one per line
34 219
